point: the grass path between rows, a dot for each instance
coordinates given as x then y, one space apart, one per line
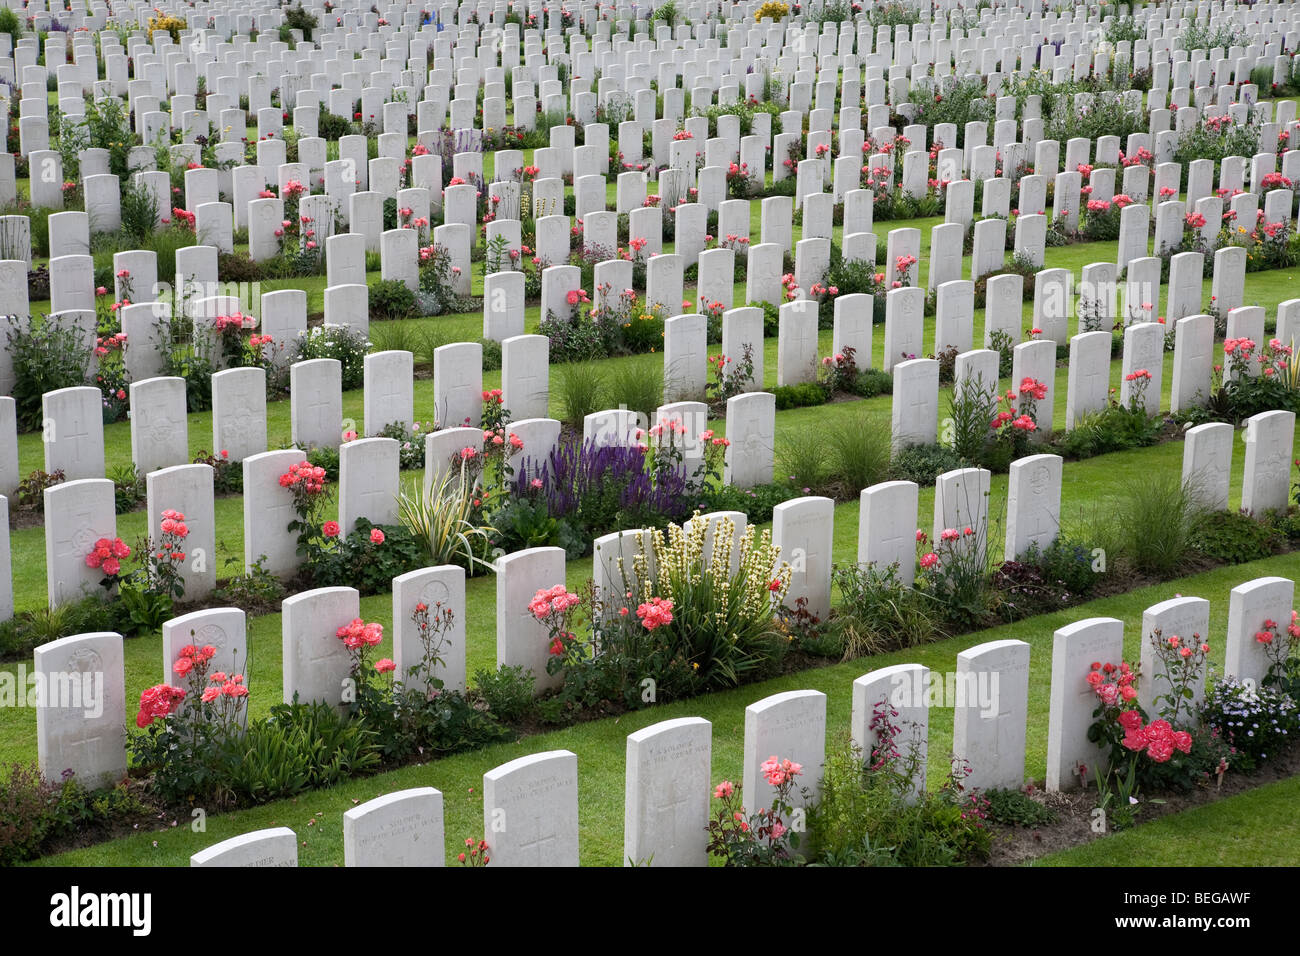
1257 828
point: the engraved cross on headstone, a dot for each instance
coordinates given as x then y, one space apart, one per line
669 810
545 833
73 430
391 392
316 411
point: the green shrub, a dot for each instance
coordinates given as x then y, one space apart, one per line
1123 30
34 810
47 355
1063 563
323 456
298 747
9 24
296 18
1114 428
241 267
872 382
391 299
508 692
491 355
574 341
27 811
963 102
397 337
1289 526
970 408
27 630
341 342
1015 808
802 395
1234 537
256 591
755 503
521 524
128 488
365 565
868 814
666 13
332 127
31 490
139 217
924 463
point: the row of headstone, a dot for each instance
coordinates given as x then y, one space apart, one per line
80 511
530 805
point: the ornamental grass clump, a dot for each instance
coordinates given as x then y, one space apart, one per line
1150 528
446 518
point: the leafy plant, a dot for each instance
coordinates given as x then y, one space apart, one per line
924 463
256 590
391 299
872 382
367 563
802 395
47 355
341 342
1017 809
971 408
139 211
508 692
878 614
1234 537
34 811
869 813
128 487
298 747
9 24
31 490
443 520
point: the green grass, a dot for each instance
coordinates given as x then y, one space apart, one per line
1256 828
600 745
